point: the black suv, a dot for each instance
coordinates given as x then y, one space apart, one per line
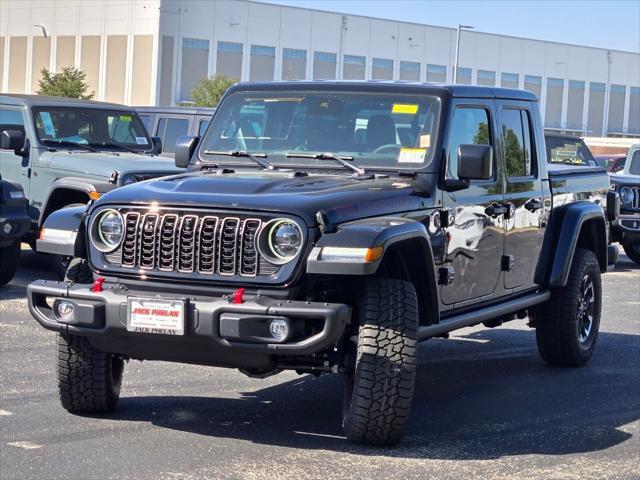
14 223
327 227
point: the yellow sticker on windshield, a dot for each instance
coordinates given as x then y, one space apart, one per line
412 155
404 108
125 118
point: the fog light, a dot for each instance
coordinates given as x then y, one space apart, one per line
7 228
64 310
279 329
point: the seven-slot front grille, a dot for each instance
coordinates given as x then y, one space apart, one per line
191 243
635 203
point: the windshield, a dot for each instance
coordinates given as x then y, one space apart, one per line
377 130
568 151
634 168
90 126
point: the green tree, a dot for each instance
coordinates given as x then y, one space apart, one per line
208 91
71 83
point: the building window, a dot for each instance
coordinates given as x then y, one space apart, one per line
595 110
634 110
409 71
353 67
617 95
195 62
553 104
575 104
436 73
486 77
229 59
533 83
324 65
509 80
294 64
464 76
382 69
263 60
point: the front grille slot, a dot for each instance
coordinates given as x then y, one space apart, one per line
191 243
636 198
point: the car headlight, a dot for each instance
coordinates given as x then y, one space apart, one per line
107 230
280 240
626 195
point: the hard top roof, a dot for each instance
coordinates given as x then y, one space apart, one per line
177 110
33 100
453 90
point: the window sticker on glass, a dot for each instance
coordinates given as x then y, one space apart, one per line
125 118
412 155
141 141
47 124
425 141
407 109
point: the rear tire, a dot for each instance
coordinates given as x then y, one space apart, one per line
567 325
378 394
632 250
9 261
88 380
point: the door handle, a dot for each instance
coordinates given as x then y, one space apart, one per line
533 205
495 209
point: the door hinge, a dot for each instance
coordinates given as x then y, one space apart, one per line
446 275
507 263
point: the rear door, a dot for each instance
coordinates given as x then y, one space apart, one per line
475 239
523 193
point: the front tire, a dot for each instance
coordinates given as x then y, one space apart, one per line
88 380
378 393
567 325
632 250
9 261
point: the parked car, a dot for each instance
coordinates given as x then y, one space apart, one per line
568 150
14 223
313 248
169 123
67 152
626 228
613 162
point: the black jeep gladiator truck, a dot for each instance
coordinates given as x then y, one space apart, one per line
328 227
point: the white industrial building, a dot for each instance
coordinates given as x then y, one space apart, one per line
147 52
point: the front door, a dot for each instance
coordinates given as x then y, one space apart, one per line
524 224
475 238
12 166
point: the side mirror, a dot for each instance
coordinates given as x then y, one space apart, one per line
156 145
613 205
185 146
475 162
13 140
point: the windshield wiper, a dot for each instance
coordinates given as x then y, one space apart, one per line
256 157
342 160
67 143
114 145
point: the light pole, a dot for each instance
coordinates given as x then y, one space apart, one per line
455 67
607 93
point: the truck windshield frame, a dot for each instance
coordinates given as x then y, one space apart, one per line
401 136
99 128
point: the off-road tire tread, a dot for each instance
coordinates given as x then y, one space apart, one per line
79 272
556 327
85 376
9 262
381 400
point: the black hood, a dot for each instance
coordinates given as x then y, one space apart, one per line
341 197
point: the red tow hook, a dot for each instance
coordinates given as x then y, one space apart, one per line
97 285
238 296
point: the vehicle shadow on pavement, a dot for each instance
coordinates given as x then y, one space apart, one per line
481 396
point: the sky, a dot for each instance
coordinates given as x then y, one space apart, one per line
612 24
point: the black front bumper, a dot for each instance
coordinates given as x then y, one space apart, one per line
19 222
102 318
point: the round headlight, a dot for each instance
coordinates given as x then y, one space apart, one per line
626 195
280 240
108 231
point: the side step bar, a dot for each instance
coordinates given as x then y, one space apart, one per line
478 316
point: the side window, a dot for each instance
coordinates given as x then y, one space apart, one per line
202 126
634 168
11 120
470 126
516 135
169 129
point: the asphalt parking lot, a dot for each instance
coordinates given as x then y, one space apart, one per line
485 406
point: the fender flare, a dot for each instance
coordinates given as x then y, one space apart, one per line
78 184
385 232
561 241
63 233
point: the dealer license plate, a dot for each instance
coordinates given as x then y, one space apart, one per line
149 315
